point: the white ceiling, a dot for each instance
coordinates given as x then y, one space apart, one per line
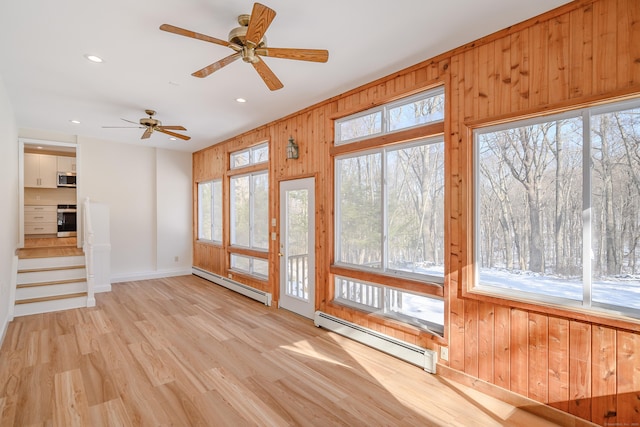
49 82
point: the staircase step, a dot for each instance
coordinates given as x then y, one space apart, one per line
51 298
31 263
53 282
32 276
47 305
35 270
48 290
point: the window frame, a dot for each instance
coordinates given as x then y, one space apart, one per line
384 111
586 304
384 270
384 300
250 151
214 221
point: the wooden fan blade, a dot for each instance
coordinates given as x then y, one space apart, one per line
147 133
216 65
198 36
314 55
261 18
267 75
171 127
177 135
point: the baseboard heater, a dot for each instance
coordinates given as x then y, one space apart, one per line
422 357
248 291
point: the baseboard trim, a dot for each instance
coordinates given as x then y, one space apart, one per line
524 403
150 275
5 327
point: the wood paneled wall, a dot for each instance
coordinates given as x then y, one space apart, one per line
583 52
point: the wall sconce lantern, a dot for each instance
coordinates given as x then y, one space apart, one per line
292 149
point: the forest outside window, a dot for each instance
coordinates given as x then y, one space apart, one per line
390 208
557 208
210 211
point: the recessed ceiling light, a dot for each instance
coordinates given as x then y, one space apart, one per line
75 122
173 139
39 148
93 58
241 100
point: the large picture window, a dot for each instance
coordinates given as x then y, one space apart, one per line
558 208
390 210
250 211
210 211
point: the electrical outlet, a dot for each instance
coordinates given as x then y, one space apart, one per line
444 353
230 276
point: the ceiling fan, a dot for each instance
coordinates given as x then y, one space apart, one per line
149 124
248 42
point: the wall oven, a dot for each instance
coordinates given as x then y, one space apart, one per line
67 220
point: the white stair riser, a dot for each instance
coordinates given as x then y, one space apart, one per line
49 306
50 290
65 261
51 276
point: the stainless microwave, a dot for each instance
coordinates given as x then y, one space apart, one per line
66 179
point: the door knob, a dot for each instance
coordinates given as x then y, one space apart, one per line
280 253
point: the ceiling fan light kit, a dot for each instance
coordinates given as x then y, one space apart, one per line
248 42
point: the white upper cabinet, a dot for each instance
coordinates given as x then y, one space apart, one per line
66 164
40 170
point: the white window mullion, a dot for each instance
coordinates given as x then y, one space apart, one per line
587 252
251 211
384 211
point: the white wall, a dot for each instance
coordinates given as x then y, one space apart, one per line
149 204
9 223
173 208
148 192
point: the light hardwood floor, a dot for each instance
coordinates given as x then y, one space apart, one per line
38 247
183 351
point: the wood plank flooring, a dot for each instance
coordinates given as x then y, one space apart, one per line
182 351
41 247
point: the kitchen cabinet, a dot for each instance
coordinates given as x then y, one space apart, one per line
40 220
66 164
40 170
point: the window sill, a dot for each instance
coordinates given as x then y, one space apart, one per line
392 322
209 243
595 315
399 282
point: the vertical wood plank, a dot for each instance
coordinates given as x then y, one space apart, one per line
502 348
559 363
471 337
539 82
486 335
628 42
485 61
558 59
580 369
519 351
604 46
603 375
538 357
581 52
628 378
504 61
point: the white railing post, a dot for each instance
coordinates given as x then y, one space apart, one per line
87 246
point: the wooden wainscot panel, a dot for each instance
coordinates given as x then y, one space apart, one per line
580 369
559 363
519 354
628 378
603 381
538 357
